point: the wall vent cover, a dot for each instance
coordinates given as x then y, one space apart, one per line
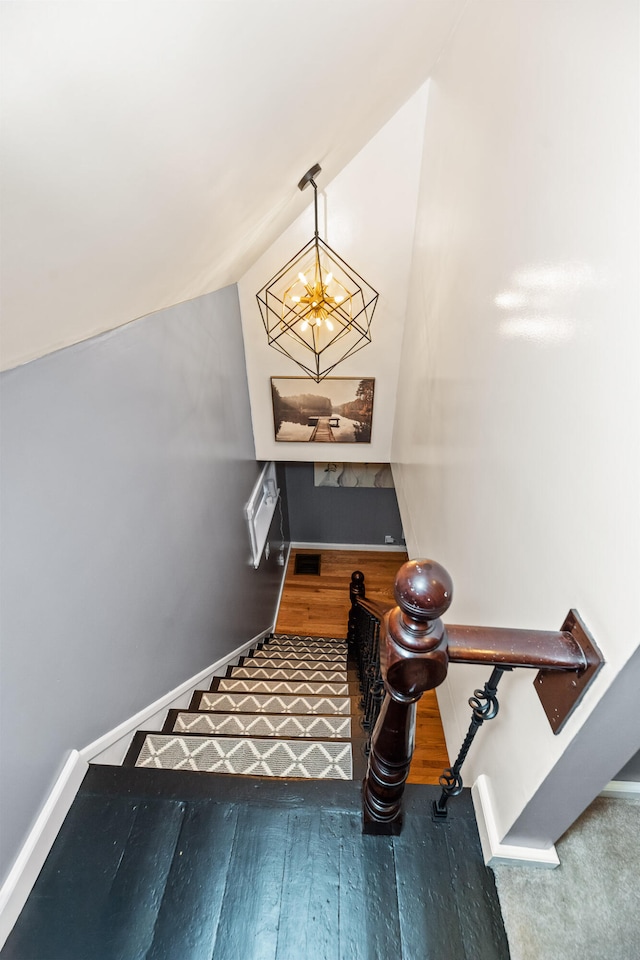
308 564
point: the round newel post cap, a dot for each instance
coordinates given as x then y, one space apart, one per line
423 589
356 587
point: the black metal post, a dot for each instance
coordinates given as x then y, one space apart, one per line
484 706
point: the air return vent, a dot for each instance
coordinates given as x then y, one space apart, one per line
307 564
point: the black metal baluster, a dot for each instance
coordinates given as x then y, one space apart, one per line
484 706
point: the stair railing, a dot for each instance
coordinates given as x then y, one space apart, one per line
363 635
415 650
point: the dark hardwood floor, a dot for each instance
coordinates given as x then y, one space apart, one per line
166 865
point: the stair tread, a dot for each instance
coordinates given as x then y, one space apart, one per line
308 726
288 673
294 646
254 756
318 688
275 703
306 663
306 636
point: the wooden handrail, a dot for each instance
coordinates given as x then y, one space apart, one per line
415 651
539 649
375 607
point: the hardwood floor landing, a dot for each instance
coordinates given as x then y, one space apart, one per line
167 865
319 605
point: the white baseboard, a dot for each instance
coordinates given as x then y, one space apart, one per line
392 547
495 852
35 849
111 748
282 583
622 790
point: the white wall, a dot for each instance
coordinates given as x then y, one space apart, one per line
367 214
516 437
151 150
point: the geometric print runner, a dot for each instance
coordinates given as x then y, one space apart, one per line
309 645
286 673
292 653
277 663
266 758
268 703
293 638
239 685
263 725
284 711
340 647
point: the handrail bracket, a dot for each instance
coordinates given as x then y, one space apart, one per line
560 691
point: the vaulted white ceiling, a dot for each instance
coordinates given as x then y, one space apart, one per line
151 150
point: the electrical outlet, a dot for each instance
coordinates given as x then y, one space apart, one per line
389 539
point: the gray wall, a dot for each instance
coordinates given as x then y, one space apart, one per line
631 770
126 463
339 514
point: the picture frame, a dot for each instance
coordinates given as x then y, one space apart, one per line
336 410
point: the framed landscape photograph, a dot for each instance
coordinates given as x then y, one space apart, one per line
336 410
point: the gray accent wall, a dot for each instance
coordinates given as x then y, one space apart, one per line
631 770
339 514
125 562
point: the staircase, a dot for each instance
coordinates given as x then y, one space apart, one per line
266 859
289 709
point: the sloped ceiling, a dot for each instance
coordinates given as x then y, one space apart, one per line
151 150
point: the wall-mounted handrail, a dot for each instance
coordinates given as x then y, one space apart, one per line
538 649
415 651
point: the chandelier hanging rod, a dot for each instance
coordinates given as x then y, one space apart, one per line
309 178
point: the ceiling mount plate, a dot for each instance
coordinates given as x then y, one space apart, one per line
560 691
309 176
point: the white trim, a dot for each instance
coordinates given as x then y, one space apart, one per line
35 849
390 547
282 583
111 748
493 850
621 790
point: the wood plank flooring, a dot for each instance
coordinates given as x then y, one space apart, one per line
166 865
319 605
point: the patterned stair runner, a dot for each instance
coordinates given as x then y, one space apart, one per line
286 710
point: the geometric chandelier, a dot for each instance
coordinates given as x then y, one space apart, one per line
317 310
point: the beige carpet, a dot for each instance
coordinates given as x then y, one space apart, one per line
589 907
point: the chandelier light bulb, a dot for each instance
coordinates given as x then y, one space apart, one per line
328 279
302 278
329 324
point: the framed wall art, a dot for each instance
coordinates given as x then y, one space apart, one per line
336 410
353 475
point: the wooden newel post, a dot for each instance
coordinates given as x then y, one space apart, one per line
413 658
